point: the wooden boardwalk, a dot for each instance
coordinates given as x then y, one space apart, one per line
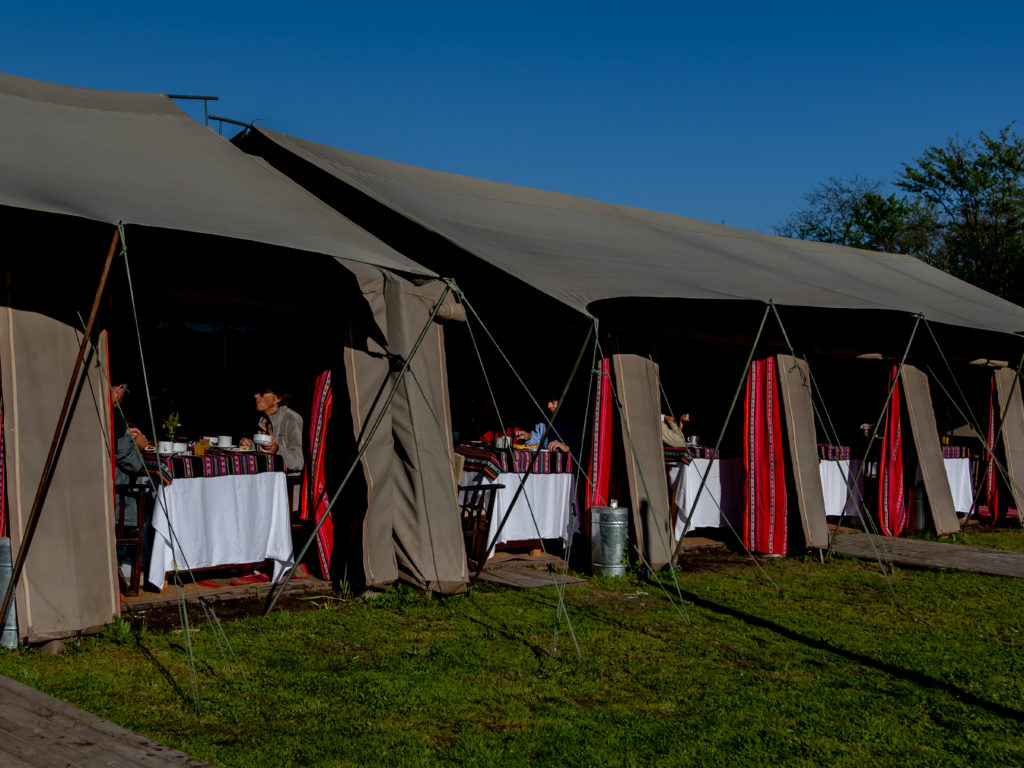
39 731
526 571
933 554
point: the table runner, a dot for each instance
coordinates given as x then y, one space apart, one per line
213 463
828 452
688 454
493 462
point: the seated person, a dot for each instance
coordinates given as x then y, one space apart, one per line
672 433
128 444
550 441
283 425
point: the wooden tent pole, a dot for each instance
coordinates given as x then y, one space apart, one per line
58 435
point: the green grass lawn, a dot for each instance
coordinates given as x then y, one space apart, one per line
822 668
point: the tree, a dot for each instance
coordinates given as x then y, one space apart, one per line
962 211
852 212
977 192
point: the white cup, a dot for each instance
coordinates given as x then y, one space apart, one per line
224 441
165 447
261 439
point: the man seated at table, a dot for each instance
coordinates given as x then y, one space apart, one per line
549 441
129 442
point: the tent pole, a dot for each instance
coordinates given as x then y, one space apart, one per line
60 431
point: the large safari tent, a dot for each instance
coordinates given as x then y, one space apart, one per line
680 303
336 257
212 235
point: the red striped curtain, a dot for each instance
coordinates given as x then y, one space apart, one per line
601 440
314 483
991 475
3 474
892 502
764 514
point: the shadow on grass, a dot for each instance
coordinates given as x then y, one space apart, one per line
908 675
164 673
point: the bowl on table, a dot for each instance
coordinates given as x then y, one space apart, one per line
224 441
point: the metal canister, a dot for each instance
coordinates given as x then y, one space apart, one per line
609 537
9 634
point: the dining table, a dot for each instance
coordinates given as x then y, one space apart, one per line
718 504
225 507
543 510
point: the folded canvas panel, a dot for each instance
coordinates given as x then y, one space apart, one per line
795 388
137 158
580 251
412 528
636 384
68 584
1012 412
929 450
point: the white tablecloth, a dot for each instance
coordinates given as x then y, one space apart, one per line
550 497
723 490
958 472
835 475
221 521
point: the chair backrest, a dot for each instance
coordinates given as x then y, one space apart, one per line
131 534
477 506
123 528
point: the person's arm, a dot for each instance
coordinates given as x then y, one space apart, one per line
126 453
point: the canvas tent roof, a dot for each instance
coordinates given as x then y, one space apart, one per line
580 251
136 158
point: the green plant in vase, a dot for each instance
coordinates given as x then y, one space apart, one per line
170 425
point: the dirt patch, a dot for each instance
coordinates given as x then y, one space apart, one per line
713 560
163 619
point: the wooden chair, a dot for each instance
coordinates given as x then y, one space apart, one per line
131 536
293 482
477 505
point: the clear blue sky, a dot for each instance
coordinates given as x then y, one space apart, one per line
729 112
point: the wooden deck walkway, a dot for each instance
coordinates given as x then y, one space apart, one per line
526 571
39 731
933 554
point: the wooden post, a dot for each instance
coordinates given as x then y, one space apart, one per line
58 434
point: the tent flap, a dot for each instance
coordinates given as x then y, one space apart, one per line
1012 410
795 387
68 584
929 450
636 381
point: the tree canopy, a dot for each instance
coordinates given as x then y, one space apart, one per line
959 207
